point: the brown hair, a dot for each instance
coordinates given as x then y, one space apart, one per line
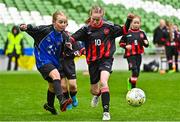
95 9
170 28
56 13
137 16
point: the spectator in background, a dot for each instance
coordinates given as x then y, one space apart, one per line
14 46
158 35
171 44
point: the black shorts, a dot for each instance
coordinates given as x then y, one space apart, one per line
171 51
134 62
68 69
96 67
45 70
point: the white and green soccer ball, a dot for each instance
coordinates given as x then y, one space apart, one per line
135 97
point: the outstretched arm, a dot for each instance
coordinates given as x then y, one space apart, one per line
28 28
117 30
80 35
23 27
128 22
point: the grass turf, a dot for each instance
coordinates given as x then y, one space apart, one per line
24 93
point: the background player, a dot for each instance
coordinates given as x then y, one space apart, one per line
133 43
68 73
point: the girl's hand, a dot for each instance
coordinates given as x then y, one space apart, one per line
23 27
145 42
128 47
130 16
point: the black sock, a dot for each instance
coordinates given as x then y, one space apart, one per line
105 96
50 98
170 66
72 94
176 67
66 94
133 85
58 90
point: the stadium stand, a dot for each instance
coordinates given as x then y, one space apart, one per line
38 12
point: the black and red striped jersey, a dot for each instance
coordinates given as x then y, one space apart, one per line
175 40
135 38
100 41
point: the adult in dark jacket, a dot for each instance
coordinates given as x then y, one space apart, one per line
158 35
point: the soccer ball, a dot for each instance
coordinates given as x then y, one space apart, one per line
135 97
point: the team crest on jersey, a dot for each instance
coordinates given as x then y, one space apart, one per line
89 32
106 31
129 35
141 35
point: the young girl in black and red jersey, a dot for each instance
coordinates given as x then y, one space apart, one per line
99 38
133 43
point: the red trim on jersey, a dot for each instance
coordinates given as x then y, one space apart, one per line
89 53
163 39
72 40
168 43
133 49
97 26
140 49
125 31
94 53
134 30
128 52
101 50
107 53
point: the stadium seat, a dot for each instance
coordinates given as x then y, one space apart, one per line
39 12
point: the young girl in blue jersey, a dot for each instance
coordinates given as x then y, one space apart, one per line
48 48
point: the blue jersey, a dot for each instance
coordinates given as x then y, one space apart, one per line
48 45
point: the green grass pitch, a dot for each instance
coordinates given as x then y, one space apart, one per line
22 95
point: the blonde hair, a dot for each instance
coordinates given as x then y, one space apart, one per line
95 9
56 13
